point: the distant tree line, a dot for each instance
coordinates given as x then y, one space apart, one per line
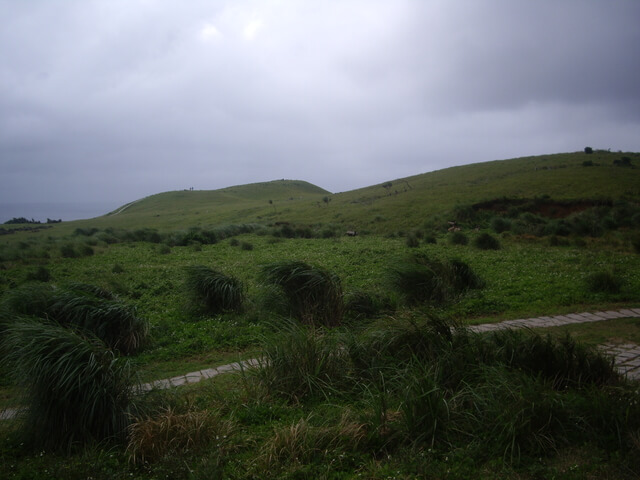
19 220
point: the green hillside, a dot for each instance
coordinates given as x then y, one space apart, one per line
399 204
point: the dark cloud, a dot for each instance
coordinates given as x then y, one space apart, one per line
121 99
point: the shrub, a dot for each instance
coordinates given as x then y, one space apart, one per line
234 242
77 391
164 249
117 268
458 238
636 243
603 282
314 294
485 241
246 246
588 150
213 290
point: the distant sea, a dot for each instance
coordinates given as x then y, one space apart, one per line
64 211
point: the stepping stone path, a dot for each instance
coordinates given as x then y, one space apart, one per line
626 356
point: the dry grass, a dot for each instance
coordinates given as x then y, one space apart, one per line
169 432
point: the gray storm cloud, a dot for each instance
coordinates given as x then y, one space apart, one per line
115 100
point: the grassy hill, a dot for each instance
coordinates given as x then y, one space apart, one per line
411 398
399 204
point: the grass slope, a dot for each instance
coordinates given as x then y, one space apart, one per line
403 204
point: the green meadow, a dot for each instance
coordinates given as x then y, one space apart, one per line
366 370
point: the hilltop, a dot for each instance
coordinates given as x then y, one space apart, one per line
397 204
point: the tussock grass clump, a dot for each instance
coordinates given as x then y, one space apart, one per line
213 290
500 224
486 241
68 251
604 281
41 274
302 362
458 238
562 361
362 304
170 432
412 241
304 442
314 294
421 279
76 389
84 307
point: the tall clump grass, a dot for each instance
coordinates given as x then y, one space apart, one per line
424 280
301 362
314 294
76 389
85 307
604 281
169 432
213 290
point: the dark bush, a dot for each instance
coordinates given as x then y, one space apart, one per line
588 150
68 251
485 241
458 238
234 242
246 246
500 224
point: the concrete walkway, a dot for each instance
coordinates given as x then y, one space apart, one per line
626 356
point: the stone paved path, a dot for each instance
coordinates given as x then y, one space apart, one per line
626 356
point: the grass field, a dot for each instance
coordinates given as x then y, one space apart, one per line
565 238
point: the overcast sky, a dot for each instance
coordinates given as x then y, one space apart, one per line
112 100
